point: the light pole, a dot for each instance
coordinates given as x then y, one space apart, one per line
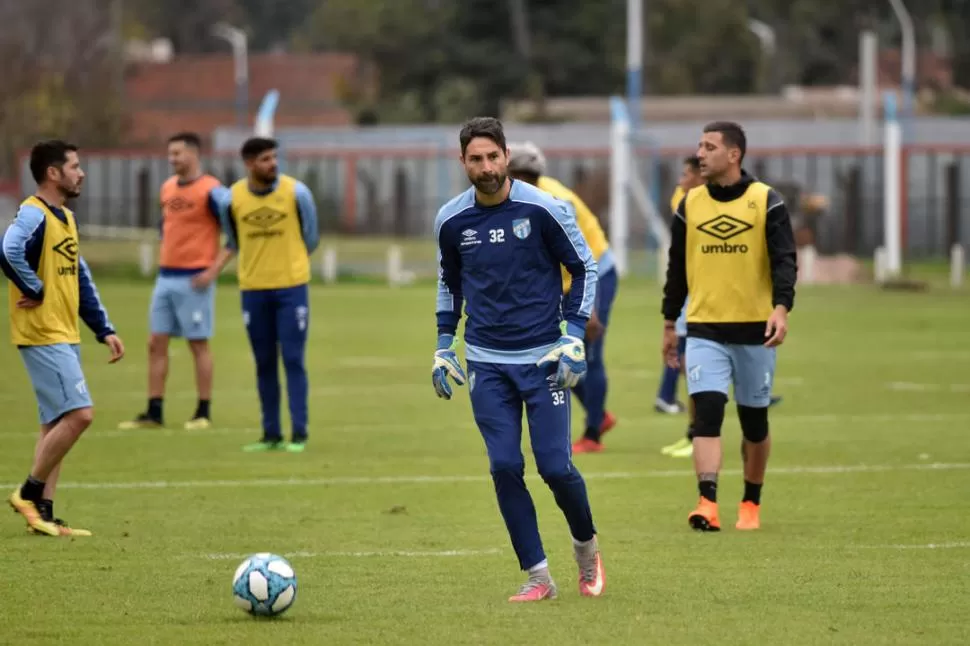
908 74
766 36
237 39
634 61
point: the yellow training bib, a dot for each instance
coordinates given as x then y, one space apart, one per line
728 269
676 198
588 223
272 253
56 319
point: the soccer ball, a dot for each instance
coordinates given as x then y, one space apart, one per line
264 585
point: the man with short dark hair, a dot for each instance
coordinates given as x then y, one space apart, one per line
733 251
50 288
183 300
271 222
501 244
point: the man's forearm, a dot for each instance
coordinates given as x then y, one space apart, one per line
225 255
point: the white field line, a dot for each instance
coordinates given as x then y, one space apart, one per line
632 422
908 386
454 479
928 546
940 355
239 394
234 556
225 556
247 394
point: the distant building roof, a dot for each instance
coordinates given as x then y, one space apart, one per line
794 102
791 105
199 93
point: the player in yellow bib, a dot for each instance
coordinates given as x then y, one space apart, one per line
690 176
733 250
271 223
50 288
528 164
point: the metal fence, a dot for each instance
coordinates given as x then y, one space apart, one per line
397 192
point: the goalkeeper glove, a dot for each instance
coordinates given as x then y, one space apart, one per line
570 354
445 365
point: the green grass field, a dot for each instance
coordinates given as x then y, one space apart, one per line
390 520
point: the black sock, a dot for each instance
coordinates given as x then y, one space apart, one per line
202 410
752 493
708 489
592 434
690 432
46 508
155 408
32 489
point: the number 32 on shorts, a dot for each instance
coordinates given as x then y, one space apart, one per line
558 397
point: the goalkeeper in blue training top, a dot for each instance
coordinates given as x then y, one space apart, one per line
501 244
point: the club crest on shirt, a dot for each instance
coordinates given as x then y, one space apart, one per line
522 228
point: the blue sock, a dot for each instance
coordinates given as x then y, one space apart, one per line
668 385
519 513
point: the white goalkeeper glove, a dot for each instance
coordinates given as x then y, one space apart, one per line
446 364
570 355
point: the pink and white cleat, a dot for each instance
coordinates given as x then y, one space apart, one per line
592 577
537 588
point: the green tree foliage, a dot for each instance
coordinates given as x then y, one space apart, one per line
187 23
444 59
410 41
68 91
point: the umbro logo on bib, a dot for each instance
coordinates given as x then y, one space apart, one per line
67 248
724 227
264 218
263 222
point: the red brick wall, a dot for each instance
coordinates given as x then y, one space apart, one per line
198 92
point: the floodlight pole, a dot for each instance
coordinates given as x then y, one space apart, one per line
240 54
908 72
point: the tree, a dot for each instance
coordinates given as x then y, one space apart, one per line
187 23
65 91
409 41
270 24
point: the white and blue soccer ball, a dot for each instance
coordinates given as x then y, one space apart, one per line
264 585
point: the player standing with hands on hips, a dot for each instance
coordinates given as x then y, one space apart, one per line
501 244
50 287
733 250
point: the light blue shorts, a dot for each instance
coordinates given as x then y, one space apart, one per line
715 367
178 309
681 324
58 381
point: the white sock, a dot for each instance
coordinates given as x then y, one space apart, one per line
539 567
582 545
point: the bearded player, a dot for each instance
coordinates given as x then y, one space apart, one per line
271 221
50 288
501 245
